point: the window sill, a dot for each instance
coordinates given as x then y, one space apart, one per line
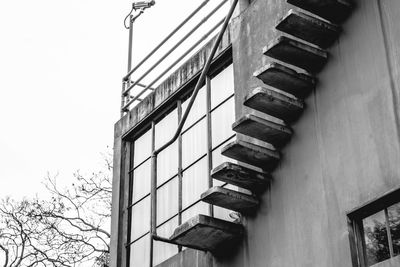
392 262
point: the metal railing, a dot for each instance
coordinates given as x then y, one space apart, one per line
127 99
153 191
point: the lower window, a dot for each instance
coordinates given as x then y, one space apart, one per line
375 231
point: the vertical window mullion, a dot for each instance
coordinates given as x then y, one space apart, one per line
388 233
153 145
209 138
130 162
179 170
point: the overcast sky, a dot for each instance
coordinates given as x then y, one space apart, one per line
61 64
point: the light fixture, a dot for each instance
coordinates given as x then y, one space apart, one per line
143 4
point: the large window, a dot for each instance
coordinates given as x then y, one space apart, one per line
183 168
375 231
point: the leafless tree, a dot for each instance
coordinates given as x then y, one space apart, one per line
69 229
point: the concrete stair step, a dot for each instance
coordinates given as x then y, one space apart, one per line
230 199
234 174
275 104
310 29
296 53
333 10
207 233
286 79
277 134
264 158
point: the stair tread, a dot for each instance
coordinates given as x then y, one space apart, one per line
277 134
229 199
234 174
275 104
333 10
252 154
308 28
296 53
206 233
286 79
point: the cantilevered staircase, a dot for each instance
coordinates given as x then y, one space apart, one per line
282 96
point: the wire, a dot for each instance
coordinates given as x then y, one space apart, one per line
130 13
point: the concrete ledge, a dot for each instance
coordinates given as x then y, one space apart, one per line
333 10
241 176
189 257
230 199
308 28
252 154
286 79
275 104
207 233
276 134
297 54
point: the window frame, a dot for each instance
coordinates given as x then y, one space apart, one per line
356 229
148 125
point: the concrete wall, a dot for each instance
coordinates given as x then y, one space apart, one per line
345 150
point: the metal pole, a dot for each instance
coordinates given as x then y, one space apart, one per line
127 83
130 44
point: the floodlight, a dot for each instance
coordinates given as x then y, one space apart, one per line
143 4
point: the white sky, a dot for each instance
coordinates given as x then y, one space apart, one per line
61 65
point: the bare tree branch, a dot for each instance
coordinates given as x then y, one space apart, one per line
68 229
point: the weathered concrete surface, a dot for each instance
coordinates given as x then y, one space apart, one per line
207 233
230 199
286 79
252 154
333 10
275 104
189 257
297 54
277 134
117 249
308 28
345 150
241 176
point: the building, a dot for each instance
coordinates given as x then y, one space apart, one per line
296 129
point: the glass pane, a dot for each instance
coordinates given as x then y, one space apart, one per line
198 109
221 122
167 201
140 252
394 222
142 147
167 163
165 128
218 158
194 143
222 86
198 208
141 181
376 242
140 218
162 250
194 182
